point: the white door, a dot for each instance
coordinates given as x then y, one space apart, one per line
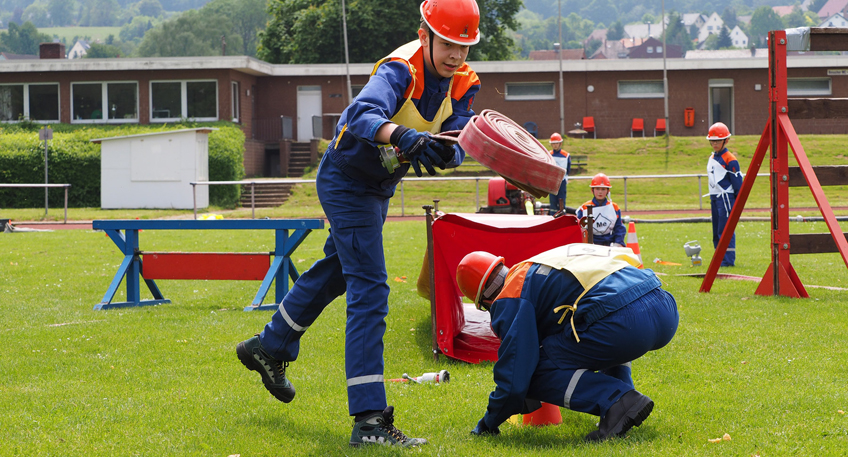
308 106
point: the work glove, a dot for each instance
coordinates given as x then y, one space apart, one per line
419 149
481 429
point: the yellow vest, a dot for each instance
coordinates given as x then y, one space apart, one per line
589 264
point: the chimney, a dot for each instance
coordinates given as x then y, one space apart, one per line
51 51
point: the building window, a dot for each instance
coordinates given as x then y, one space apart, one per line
659 49
355 89
173 100
235 101
650 50
37 102
530 91
111 102
640 89
801 87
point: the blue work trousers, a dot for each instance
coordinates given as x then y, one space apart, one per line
354 263
590 376
720 206
555 198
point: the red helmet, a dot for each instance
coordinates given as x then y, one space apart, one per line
556 138
601 180
457 21
473 272
718 131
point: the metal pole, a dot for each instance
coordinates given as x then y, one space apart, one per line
45 176
700 195
432 283
194 198
347 59
665 80
252 200
625 193
401 198
66 204
477 194
559 51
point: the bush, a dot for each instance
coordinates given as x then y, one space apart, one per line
73 159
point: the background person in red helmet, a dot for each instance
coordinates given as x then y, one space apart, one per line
423 87
570 321
725 179
608 230
563 160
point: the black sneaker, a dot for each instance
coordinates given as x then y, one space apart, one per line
273 371
378 428
628 412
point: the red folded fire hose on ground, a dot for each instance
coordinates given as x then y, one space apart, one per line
506 148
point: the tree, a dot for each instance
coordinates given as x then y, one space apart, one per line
676 33
102 51
193 33
37 14
247 18
615 31
310 31
135 30
763 21
61 12
729 17
22 39
724 40
798 18
151 8
100 13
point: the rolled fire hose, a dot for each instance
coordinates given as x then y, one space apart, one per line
506 148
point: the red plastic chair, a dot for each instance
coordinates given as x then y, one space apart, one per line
589 126
638 126
660 127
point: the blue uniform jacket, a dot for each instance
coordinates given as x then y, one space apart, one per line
618 230
523 322
356 153
558 155
733 178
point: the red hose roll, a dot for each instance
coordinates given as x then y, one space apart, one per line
506 148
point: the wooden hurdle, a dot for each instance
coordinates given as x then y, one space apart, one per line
274 266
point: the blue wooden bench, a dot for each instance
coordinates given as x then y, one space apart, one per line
182 265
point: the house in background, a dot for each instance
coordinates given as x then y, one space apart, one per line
832 7
712 26
551 54
613 49
694 19
643 30
79 49
835 20
652 48
10 56
738 38
784 10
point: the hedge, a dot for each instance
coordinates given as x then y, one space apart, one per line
74 160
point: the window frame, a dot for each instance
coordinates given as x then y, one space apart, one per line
659 94
802 93
183 101
26 102
104 102
509 97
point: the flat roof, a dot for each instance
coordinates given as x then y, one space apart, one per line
260 68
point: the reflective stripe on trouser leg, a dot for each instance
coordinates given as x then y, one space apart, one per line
569 391
311 293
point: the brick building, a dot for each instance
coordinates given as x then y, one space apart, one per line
278 106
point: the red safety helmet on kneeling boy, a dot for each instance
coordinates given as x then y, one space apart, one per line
473 272
457 21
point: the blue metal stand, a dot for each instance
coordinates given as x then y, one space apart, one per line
280 270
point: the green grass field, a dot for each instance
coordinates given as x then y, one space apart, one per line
769 372
68 33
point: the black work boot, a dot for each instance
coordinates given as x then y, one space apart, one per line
273 371
628 412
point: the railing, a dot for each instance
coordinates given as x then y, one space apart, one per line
476 180
45 186
272 129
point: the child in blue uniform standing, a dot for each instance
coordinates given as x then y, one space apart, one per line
423 87
725 179
608 230
563 160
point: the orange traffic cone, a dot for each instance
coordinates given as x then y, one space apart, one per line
632 242
548 414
